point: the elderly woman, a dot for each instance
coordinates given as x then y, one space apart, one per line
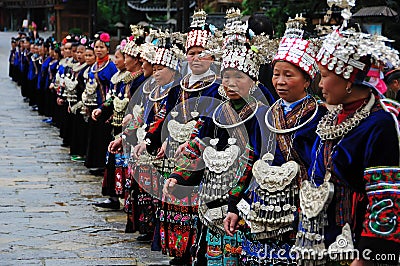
349 204
270 205
227 143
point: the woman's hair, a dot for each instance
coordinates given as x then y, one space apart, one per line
57 50
259 23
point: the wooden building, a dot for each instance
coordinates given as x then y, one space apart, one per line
60 16
75 15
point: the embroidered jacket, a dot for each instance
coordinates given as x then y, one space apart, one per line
374 142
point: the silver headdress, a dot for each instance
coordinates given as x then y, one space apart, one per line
241 49
350 54
167 52
200 32
294 49
131 48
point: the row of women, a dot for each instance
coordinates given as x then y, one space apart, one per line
214 170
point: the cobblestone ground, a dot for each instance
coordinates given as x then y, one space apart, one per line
46 216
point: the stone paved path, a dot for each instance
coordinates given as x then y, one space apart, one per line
46 217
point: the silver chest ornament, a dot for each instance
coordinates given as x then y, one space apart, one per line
220 161
89 96
70 89
274 178
219 176
273 202
119 110
314 202
314 199
178 131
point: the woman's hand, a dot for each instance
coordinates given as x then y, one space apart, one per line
181 148
169 186
96 113
60 101
161 151
138 150
115 146
231 223
126 120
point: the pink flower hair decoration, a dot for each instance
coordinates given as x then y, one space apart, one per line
105 37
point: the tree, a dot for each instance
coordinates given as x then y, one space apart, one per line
110 12
250 6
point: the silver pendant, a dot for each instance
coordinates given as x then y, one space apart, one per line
141 133
194 114
181 132
220 161
274 178
343 242
314 199
120 105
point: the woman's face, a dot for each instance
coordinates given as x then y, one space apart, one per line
119 60
198 65
333 87
68 49
41 50
147 68
163 75
236 84
80 54
73 52
289 82
130 63
90 57
100 49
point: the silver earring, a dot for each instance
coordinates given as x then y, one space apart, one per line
221 92
253 89
348 90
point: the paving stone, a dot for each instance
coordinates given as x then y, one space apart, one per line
46 212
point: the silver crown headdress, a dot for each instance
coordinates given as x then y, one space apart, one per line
294 49
167 52
350 53
241 49
294 27
200 32
131 48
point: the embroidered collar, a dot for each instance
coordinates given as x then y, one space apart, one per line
288 106
119 76
95 68
77 67
194 78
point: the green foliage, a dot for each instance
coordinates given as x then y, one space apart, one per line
110 12
76 31
209 9
250 6
278 17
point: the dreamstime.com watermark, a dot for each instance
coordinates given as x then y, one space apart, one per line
324 254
